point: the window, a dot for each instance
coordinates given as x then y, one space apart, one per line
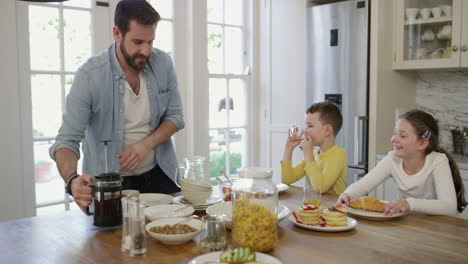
164 39
228 58
60 40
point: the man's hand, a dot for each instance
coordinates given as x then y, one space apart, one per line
82 193
133 155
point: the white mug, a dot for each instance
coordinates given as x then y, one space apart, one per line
436 11
411 13
425 13
447 10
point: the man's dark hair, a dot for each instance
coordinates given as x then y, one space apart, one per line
138 10
329 114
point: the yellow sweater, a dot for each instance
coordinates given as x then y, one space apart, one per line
327 171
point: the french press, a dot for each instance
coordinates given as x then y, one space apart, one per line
107 191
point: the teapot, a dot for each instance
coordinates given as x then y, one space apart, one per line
192 169
445 32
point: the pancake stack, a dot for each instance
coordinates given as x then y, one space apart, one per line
309 215
335 217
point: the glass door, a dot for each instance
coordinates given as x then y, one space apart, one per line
55 40
429 36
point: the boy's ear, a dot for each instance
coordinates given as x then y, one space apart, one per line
328 130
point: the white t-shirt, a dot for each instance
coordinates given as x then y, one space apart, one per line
430 191
137 123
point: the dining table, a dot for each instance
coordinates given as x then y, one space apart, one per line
70 237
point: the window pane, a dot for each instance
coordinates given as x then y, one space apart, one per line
49 184
215 11
233 12
217 108
78 3
77 38
237 92
164 37
234 50
215 49
236 148
165 8
217 152
44 38
46 104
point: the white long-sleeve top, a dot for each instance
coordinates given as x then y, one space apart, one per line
430 191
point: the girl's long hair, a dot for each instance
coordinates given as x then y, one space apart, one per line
426 127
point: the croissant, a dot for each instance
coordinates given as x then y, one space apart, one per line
368 203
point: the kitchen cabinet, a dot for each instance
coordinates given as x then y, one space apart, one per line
430 34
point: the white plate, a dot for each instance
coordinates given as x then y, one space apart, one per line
149 199
160 211
282 187
224 210
198 207
369 215
351 224
214 257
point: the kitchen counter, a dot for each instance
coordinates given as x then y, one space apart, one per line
70 237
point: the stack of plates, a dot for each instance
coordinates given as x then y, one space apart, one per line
198 207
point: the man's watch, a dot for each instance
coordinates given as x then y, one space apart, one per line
73 176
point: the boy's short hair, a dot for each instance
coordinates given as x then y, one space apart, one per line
329 114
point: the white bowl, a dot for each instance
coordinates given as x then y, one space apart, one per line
174 239
160 211
193 188
195 183
149 199
224 210
196 197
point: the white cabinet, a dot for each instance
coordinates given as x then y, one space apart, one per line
430 34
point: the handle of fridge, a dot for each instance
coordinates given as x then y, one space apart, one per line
360 142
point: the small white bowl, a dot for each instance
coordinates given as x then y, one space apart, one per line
224 211
196 197
174 239
161 211
195 184
149 199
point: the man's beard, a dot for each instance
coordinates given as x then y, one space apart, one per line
131 60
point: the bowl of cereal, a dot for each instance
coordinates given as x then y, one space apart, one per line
169 231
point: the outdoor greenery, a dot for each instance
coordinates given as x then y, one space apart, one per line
218 163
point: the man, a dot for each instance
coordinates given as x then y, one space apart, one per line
123 102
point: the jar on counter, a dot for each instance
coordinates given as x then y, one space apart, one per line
254 210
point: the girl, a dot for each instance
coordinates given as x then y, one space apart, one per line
428 178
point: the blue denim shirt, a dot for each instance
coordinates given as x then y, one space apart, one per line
94 111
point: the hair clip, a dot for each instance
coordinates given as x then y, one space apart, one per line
426 135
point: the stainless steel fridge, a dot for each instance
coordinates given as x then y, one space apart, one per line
337 70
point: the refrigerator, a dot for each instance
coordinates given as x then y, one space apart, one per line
337 71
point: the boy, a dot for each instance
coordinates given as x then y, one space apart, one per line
325 168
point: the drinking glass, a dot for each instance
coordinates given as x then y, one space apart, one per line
296 133
312 196
213 234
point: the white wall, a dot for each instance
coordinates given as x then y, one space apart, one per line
12 198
